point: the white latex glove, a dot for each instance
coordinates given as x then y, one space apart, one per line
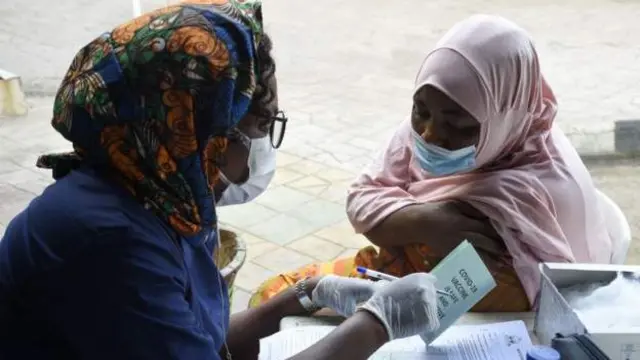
407 306
343 294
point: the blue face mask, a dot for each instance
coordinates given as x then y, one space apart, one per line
441 162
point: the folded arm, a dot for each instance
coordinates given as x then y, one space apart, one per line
408 225
380 207
378 204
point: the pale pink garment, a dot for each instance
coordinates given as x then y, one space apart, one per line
533 185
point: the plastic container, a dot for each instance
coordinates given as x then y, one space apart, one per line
542 353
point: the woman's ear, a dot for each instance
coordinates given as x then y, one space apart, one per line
236 165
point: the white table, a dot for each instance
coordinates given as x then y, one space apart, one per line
467 319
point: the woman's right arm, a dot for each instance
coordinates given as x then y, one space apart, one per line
378 204
405 226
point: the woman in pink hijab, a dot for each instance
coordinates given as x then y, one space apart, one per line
480 159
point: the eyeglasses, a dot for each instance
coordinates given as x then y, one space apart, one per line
278 128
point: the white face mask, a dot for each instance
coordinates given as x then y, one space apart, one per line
262 167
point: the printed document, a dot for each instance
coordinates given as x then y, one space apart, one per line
499 341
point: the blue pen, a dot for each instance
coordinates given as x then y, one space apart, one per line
382 276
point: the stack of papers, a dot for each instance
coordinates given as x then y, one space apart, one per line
500 341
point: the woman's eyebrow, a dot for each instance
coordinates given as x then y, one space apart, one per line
463 122
418 101
453 111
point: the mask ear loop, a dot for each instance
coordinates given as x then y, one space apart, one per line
223 178
237 135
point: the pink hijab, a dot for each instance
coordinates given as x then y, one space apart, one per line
534 188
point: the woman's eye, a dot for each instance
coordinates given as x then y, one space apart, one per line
464 128
424 114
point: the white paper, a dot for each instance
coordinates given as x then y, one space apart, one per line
289 342
500 341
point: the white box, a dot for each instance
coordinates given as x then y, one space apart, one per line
554 314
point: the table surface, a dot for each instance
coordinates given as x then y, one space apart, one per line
467 319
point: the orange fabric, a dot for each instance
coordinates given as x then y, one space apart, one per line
508 296
144 100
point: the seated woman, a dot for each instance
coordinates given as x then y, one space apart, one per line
480 159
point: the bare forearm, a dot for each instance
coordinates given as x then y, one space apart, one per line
406 226
440 226
356 338
248 327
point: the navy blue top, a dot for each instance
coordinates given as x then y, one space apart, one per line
87 273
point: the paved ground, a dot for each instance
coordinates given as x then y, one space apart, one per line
353 63
345 77
299 220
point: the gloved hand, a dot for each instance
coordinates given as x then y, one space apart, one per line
343 294
407 306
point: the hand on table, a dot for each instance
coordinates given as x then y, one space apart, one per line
343 294
406 307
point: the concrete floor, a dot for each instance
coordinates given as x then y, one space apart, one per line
354 62
300 219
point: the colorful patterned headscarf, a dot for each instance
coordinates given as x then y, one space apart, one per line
153 101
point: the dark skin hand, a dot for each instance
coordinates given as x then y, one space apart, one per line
357 338
441 225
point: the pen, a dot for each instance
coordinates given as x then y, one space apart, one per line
382 276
